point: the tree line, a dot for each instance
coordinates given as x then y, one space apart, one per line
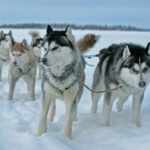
74 26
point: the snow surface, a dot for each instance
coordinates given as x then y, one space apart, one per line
19 117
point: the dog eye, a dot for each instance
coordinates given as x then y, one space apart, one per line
135 71
145 69
44 61
54 48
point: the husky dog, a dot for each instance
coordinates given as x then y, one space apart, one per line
37 46
36 43
22 64
126 65
6 40
63 76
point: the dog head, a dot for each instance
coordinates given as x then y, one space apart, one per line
6 40
19 53
135 67
37 46
57 43
59 51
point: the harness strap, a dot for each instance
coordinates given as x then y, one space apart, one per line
59 90
21 70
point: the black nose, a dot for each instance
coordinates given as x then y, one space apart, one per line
15 63
44 61
142 84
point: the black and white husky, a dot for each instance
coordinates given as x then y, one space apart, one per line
22 65
126 65
6 40
63 76
38 50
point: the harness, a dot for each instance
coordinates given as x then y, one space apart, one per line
68 72
56 88
22 72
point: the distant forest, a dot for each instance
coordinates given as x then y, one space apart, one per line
74 26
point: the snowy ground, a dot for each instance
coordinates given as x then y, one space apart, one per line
19 117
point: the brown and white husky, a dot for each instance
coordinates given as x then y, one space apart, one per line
22 65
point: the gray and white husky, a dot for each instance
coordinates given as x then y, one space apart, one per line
63 75
126 65
6 40
22 65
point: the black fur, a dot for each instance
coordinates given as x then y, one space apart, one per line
60 37
114 53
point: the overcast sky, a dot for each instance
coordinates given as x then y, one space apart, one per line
113 12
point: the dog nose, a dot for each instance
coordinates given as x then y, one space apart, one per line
14 62
44 61
142 84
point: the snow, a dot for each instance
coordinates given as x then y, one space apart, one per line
19 117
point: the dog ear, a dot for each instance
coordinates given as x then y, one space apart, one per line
148 48
126 52
1 34
49 30
68 32
24 43
10 33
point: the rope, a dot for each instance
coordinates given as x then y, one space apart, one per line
102 91
91 56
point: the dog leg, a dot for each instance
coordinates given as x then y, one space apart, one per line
42 127
68 117
1 66
96 87
39 72
69 99
30 81
136 108
95 100
52 111
12 84
107 109
122 99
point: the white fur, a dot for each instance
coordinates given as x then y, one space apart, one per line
60 59
4 53
57 61
130 78
126 52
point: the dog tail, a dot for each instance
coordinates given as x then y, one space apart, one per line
34 34
87 42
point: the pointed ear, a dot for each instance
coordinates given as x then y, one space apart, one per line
24 42
1 34
126 52
148 48
49 30
10 33
68 32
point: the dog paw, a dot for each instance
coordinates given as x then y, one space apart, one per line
138 124
40 131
